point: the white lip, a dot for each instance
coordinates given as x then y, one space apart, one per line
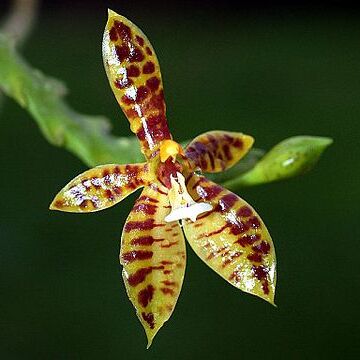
191 212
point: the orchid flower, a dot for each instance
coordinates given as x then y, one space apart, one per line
177 201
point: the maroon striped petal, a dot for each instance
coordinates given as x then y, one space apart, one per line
101 187
216 151
153 258
232 239
134 74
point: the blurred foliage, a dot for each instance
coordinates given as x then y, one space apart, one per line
89 137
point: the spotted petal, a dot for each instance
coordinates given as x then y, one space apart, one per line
153 258
216 151
232 239
134 74
100 187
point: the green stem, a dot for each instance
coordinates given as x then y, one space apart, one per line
20 20
87 137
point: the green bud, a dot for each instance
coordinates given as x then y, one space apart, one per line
291 157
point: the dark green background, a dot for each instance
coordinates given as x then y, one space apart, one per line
272 73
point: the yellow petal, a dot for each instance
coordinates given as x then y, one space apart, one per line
99 188
153 259
134 75
216 151
232 239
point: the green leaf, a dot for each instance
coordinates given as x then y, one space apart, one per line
291 157
87 137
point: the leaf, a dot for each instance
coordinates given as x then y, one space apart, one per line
291 157
87 137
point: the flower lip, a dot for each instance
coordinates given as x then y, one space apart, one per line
183 205
190 211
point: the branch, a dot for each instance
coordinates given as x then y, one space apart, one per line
20 20
87 137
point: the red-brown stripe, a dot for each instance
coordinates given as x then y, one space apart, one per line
109 195
235 275
244 211
227 152
260 272
169 245
254 222
149 318
238 228
197 183
141 225
144 241
248 240
265 287
215 232
255 257
159 191
147 209
145 295
136 255
147 198
263 247
140 275
230 258
167 291
217 252
238 143
59 203
188 178
211 192
212 160
169 283
140 40
149 68
228 201
166 262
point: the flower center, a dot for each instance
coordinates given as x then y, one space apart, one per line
170 149
182 204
